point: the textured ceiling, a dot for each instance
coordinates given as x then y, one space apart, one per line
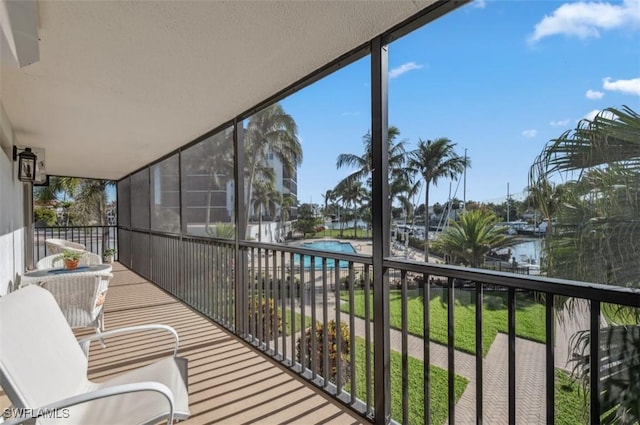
120 84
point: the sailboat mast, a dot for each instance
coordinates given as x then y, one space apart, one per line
508 218
464 186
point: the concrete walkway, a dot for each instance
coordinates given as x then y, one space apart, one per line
530 378
530 362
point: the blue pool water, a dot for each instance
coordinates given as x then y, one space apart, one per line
330 246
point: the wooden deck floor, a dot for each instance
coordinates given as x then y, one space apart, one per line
229 383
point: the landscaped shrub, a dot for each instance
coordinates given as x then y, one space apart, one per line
263 305
494 302
268 286
287 287
358 280
332 344
44 216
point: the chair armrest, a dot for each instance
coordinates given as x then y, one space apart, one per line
32 413
86 341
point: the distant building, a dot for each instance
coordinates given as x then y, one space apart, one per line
208 189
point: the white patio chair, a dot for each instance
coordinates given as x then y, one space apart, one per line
81 298
43 369
90 259
55 260
57 246
50 262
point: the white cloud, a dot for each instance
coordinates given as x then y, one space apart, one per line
588 19
560 123
591 115
404 68
594 94
479 4
529 134
631 86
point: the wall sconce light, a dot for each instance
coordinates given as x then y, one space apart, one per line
26 164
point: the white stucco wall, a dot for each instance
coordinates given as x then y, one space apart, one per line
11 211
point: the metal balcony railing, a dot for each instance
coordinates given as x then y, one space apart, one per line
97 239
283 300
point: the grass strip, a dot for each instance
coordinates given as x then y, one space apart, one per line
530 317
439 386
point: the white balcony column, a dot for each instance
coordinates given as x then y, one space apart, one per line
29 228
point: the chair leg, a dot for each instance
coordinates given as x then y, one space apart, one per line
102 343
100 327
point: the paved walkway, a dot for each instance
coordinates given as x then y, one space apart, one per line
530 363
530 371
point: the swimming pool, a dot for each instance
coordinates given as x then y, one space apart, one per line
330 246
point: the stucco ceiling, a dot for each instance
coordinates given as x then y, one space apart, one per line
119 84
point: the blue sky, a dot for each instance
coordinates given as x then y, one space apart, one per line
499 78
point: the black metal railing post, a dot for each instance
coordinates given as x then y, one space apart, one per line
381 221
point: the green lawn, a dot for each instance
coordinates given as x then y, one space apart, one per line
570 406
621 315
530 318
347 234
439 386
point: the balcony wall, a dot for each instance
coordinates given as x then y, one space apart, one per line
12 229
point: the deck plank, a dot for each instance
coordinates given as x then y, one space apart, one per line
229 383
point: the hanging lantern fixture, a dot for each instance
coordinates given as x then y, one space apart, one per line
27 161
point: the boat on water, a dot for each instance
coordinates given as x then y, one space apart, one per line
530 230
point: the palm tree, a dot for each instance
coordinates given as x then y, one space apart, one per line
270 131
401 185
218 162
89 197
213 160
363 163
59 188
328 196
91 200
546 197
596 236
352 193
266 199
287 201
434 160
471 238
597 219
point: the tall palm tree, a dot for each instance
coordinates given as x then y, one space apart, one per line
329 197
471 238
270 131
286 202
265 199
352 193
362 164
218 162
434 160
401 182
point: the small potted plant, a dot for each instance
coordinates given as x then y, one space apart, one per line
108 255
71 258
